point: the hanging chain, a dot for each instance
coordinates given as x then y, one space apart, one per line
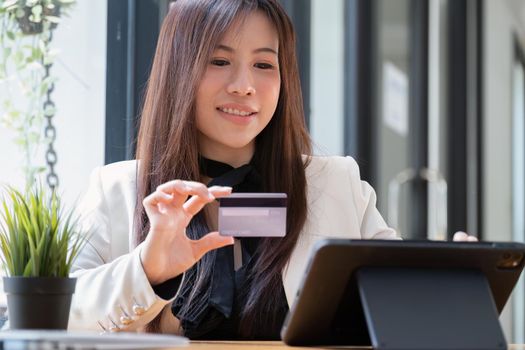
50 130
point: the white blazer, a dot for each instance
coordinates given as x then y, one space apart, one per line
112 289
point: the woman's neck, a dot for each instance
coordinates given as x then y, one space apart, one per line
235 157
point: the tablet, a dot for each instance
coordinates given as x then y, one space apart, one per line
328 308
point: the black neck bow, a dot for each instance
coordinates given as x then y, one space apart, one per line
216 310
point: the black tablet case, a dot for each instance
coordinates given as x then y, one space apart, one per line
329 308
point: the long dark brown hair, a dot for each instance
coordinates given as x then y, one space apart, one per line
167 143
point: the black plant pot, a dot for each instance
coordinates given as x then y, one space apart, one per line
38 302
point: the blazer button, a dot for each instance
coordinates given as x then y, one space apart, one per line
114 329
126 320
138 309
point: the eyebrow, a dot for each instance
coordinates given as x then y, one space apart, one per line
262 49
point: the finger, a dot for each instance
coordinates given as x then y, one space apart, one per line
156 198
460 236
184 189
220 191
209 242
176 188
472 239
196 203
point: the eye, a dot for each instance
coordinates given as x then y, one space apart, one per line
264 65
219 62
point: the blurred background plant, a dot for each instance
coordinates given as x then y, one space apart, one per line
26 83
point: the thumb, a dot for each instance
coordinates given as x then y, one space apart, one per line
211 241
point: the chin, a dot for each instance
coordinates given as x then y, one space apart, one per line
237 144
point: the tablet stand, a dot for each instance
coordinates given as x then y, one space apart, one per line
422 309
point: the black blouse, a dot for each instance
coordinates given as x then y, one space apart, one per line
218 316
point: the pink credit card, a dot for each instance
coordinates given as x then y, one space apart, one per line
253 215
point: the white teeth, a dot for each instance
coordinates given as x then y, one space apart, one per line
235 112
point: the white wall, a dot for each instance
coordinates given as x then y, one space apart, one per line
502 20
80 99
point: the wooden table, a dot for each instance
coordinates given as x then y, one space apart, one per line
251 345
275 345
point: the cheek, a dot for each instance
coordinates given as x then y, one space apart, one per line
202 102
271 89
210 84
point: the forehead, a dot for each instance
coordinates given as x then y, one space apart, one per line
252 31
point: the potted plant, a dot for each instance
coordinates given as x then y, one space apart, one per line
39 242
26 79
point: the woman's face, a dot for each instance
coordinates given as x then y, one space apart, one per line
238 94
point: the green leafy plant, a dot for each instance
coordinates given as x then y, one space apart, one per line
25 58
37 237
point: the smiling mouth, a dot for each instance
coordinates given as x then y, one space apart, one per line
236 112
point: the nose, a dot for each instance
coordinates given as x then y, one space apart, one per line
241 83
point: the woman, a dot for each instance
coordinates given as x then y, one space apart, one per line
223 107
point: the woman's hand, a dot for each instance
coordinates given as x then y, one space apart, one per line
463 237
167 251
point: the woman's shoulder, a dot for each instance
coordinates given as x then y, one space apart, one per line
110 196
122 168
119 175
118 171
329 166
